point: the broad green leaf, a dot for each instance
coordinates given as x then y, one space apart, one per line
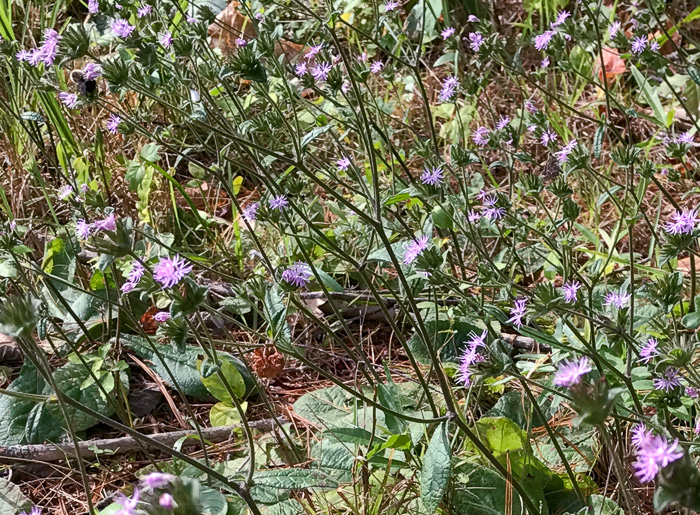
315 133
510 405
215 384
501 434
293 479
356 435
437 469
223 414
12 500
651 94
14 412
150 152
485 493
579 446
212 501
276 312
329 282
691 320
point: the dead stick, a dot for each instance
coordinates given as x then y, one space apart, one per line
88 449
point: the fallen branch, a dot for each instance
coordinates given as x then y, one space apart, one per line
123 445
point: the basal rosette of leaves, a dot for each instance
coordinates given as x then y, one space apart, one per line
510 202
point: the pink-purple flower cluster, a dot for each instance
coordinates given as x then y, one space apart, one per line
570 373
414 248
470 357
517 312
682 222
570 290
449 87
654 452
432 176
617 299
299 274
170 271
46 53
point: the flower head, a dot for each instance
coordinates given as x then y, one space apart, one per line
448 32
321 70
561 18
92 71
570 373
240 42
619 300
650 350
449 86
158 480
136 272
170 271
144 11
34 511
65 192
122 28
315 49
517 312
82 229
432 176
279 202
414 248
563 154
69 99
639 44
108 224
481 136
113 123
570 290
300 69
167 502
343 164
391 5
298 274
548 136
475 41
93 6
640 434
472 19
128 504
683 222
543 40
495 213
545 62
614 28
691 392
502 123
161 316
376 66
653 454
250 212
165 39
670 379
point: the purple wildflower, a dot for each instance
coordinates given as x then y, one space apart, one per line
671 379
167 502
473 216
391 5
449 85
475 41
144 11
161 316
530 106
23 55
654 46
376 66
640 435
654 454
650 350
156 480
691 392
165 39
544 63
129 504
240 42
279 202
563 154
561 18
113 123
488 200
136 272
495 213
432 176
548 136
92 71
472 19
639 44
570 290
298 274
170 271
683 222
108 224
300 69
686 138
696 429
414 248
517 312
122 28
313 51
48 50
191 19
448 32
82 229
502 123
343 164
345 87
470 357
65 192
250 212
69 99
93 6
127 287
34 511
619 300
543 40
570 373
481 136
614 29
321 71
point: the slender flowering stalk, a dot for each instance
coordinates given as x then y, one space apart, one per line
414 248
170 271
517 312
571 373
470 357
299 274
